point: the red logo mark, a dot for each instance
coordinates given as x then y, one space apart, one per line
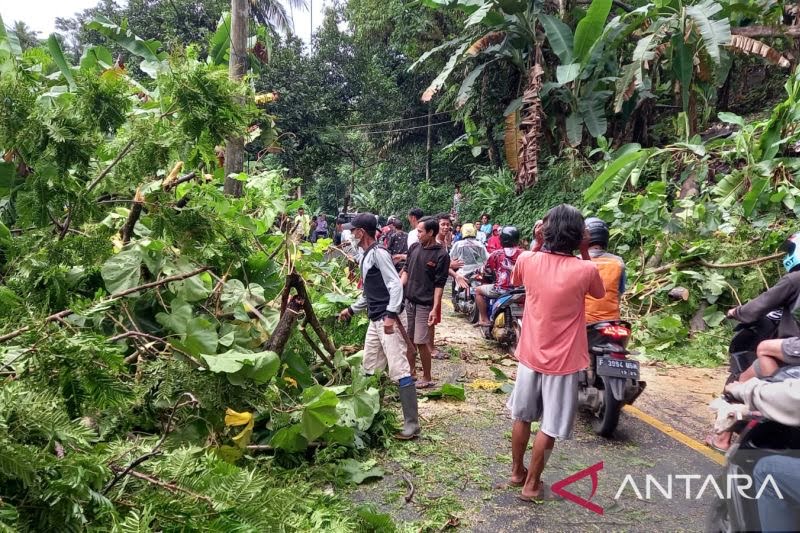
592 471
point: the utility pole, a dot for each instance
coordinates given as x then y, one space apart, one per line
237 68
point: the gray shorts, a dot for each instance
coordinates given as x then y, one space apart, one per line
791 351
551 399
490 292
418 329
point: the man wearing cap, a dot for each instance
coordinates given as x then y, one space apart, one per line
382 298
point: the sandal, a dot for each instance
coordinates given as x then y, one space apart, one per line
425 384
710 443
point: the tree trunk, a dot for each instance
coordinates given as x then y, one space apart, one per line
767 31
280 336
697 323
237 68
428 145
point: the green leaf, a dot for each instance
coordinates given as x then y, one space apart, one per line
289 439
682 67
439 81
319 413
435 49
574 124
750 200
201 336
221 41
240 365
122 271
358 472
590 28
147 50
465 91
448 390
61 62
177 320
499 374
97 57
359 410
731 118
567 73
729 187
613 170
480 14
592 109
9 41
8 174
715 33
559 36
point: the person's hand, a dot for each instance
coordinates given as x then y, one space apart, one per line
432 316
388 325
455 264
538 235
345 315
398 257
462 281
731 312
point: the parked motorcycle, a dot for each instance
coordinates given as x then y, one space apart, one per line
464 299
612 380
758 438
505 317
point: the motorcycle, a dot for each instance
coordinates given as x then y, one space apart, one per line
464 299
742 349
505 317
758 438
612 380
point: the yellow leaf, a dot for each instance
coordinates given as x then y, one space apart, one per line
485 384
290 381
232 418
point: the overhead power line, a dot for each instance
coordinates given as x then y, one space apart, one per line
409 129
396 120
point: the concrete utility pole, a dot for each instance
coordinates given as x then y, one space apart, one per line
237 68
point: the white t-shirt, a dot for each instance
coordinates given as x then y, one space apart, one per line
412 237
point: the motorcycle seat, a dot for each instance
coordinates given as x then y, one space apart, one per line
608 348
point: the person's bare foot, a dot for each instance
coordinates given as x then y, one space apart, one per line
516 480
540 494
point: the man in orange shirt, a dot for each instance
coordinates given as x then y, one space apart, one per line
612 270
552 348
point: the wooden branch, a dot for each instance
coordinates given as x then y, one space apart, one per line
169 486
183 179
154 338
311 317
703 262
66 312
320 353
65 225
133 216
767 31
280 336
127 148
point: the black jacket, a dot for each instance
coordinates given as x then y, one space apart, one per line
427 269
784 295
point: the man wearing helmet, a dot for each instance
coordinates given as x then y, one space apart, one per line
499 267
468 251
612 270
785 348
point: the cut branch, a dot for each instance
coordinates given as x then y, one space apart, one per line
315 347
116 160
66 312
133 216
703 262
767 31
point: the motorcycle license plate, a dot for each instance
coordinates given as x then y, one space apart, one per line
617 368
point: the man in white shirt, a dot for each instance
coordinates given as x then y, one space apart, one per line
414 216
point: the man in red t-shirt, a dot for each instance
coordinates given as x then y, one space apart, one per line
498 266
552 348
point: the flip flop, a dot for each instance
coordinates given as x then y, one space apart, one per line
710 443
425 384
481 325
547 495
509 484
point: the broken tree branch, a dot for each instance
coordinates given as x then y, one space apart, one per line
703 262
127 148
66 312
133 217
314 346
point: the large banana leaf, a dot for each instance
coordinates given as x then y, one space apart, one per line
438 82
715 33
466 86
221 41
433 50
560 38
682 67
574 123
61 62
592 107
590 28
617 168
147 50
9 41
750 200
729 187
480 14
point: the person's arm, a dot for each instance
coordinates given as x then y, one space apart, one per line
596 287
516 273
393 285
439 281
773 298
776 401
437 304
623 279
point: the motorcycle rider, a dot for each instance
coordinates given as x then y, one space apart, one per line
612 270
469 251
784 295
383 300
499 266
780 402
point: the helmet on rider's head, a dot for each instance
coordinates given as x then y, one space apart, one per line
509 237
468 230
598 231
792 259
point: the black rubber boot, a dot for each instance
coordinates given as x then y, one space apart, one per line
408 399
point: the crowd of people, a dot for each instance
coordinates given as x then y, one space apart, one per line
404 274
